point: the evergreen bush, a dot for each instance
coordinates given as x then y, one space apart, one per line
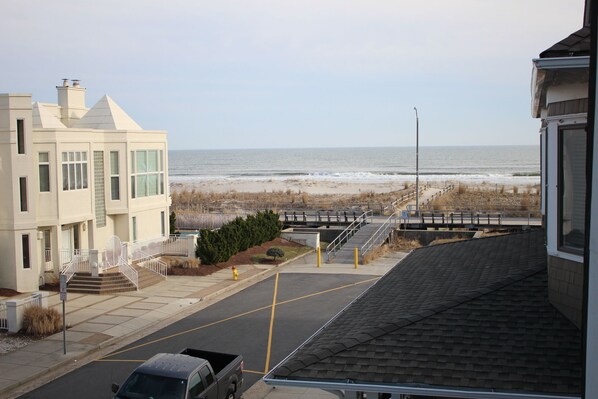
214 246
275 253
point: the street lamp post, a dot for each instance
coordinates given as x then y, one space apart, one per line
416 163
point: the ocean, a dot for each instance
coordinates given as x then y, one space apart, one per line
475 164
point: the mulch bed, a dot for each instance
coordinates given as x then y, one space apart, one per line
8 292
242 258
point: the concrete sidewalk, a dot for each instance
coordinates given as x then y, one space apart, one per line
100 324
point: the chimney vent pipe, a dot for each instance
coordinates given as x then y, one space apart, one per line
75 82
65 83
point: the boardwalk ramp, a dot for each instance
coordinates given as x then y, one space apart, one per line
346 253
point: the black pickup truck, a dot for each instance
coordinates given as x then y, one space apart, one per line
190 374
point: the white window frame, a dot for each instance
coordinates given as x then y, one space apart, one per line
45 166
141 177
114 176
75 170
552 176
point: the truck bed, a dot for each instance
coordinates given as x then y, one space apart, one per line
217 360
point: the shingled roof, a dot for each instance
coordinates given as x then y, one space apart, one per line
471 316
575 45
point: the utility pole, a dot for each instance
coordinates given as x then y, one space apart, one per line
416 163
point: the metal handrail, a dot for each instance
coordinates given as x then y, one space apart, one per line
128 271
69 270
155 265
379 235
348 232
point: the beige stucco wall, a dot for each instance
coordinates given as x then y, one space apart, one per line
75 209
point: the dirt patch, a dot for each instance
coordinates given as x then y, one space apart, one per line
242 258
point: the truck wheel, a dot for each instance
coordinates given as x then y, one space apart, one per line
230 394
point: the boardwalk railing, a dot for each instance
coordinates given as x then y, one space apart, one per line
348 233
461 218
320 217
380 235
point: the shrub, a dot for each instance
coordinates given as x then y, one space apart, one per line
275 252
40 321
237 236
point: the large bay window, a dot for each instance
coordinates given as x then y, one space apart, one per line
147 173
74 170
572 188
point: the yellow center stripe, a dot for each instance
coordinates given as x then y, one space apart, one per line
269 347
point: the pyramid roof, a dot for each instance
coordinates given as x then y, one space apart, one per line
106 114
44 118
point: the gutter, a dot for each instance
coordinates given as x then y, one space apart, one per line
562 62
410 390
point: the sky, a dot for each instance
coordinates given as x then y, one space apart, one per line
294 74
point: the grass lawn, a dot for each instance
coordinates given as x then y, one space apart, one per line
289 253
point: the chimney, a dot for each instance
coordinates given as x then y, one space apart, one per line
71 101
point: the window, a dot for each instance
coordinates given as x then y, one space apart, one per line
134 223
195 385
44 172
20 136
162 224
47 246
572 188
207 375
74 170
26 260
147 173
114 176
23 193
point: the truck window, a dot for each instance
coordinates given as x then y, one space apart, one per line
195 385
207 375
140 385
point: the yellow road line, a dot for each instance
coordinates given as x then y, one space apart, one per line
269 347
231 318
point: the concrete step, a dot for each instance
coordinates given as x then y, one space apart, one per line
112 282
106 283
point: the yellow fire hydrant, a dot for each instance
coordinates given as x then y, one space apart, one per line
235 273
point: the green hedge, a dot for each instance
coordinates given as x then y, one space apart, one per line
214 246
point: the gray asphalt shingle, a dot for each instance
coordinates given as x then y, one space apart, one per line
467 315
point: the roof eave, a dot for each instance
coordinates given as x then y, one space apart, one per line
410 390
541 66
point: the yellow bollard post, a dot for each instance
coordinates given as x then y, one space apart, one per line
318 257
235 273
356 252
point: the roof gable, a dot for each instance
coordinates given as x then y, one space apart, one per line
107 115
43 118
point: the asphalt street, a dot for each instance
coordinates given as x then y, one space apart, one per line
264 323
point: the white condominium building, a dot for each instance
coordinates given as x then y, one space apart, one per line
73 178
